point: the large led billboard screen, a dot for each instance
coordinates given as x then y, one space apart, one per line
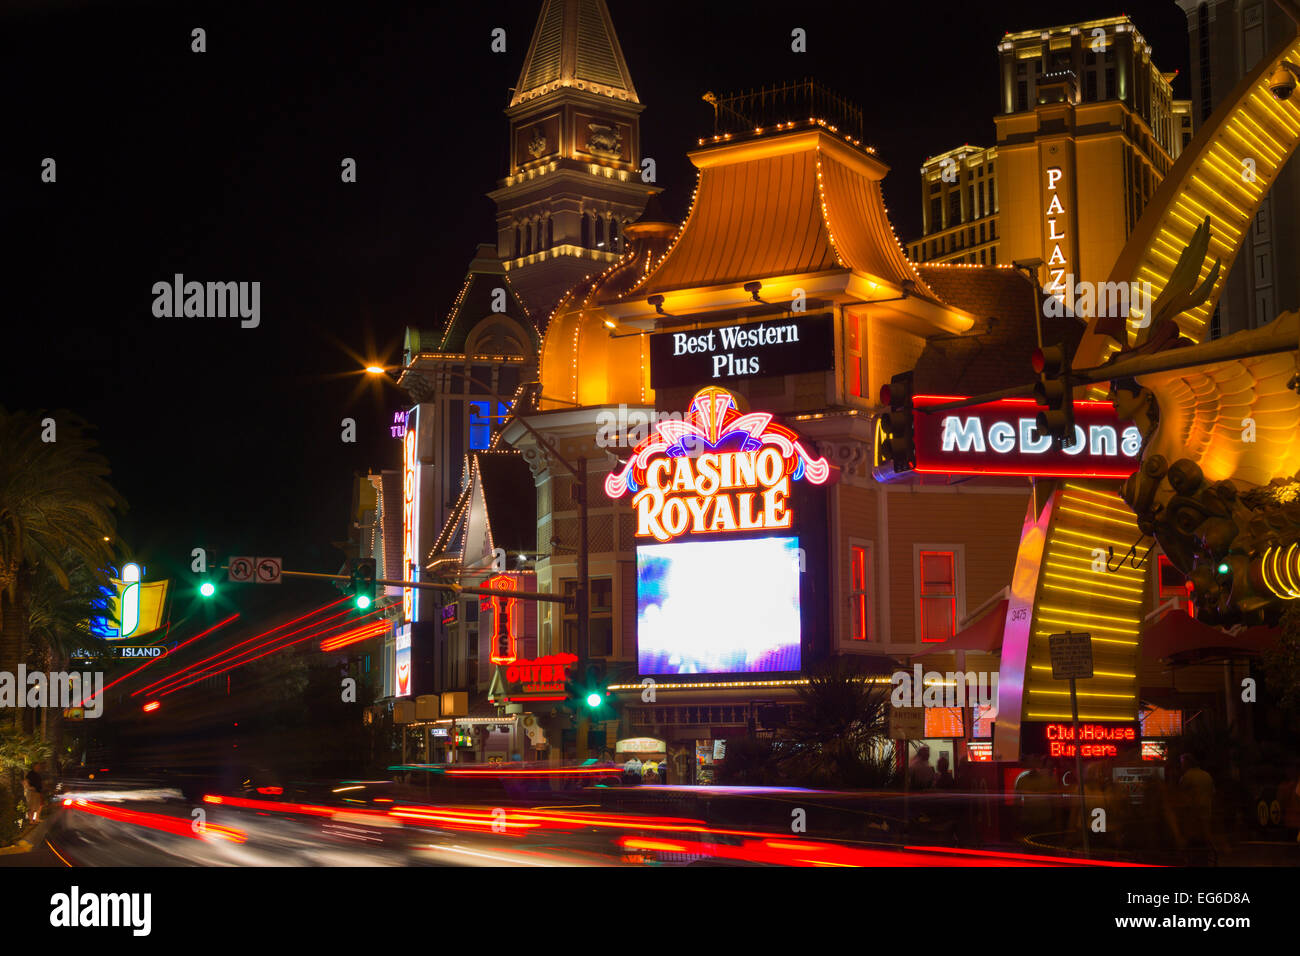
719 607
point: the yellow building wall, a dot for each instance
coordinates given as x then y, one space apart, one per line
987 525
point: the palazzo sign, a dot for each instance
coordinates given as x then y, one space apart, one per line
1001 438
745 350
1057 265
718 470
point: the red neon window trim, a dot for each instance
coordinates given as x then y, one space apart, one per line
938 606
858 596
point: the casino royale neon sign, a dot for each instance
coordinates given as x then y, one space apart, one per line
718 470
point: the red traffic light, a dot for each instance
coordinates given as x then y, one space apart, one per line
1038 361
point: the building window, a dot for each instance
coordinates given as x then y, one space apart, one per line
481 421
936 214
600 617
938 610
859 587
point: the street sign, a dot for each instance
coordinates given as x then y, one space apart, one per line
906 723
268 570
240 570
1071 655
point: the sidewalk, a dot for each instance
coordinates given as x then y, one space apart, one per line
33 836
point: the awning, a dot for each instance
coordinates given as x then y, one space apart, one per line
1181 639
984 636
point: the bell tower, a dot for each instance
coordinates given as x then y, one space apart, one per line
575 156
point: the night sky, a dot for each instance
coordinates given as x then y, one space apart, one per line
225 166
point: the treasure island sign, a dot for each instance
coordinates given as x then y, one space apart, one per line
717 470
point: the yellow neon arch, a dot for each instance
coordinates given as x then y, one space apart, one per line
1209 179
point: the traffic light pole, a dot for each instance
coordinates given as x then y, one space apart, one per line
1220 350
430 585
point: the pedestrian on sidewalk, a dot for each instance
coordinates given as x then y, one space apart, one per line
33 792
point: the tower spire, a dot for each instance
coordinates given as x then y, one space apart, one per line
574 45
574 179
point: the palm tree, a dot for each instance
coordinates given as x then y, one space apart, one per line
59 627
836 737
56 505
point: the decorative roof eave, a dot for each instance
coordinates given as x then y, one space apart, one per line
915 313
593 95
637 313
844 286
798 141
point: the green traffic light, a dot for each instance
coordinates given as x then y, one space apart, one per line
593 700
1224 568
207 589
363 602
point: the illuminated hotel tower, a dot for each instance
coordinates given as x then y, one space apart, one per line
1087 129
575 156
1227 41
959 207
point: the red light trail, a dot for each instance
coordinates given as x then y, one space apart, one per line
179 678
158 821
208 672
156 659
169 677
354 636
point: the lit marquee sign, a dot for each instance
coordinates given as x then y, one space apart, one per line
402 662
1094 738
718 470
134 607
1057 265
540 678
505 625
791 346
410 514
1001 438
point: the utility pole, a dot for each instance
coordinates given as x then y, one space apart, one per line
584 645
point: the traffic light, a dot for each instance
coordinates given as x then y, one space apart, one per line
363 583
899 444
207 589
1054 394
597 701
587 695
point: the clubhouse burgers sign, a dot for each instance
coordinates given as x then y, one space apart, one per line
719 470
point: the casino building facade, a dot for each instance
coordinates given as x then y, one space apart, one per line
701 438
718 393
